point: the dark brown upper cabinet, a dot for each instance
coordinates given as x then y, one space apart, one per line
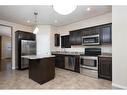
57 39
106 34
65 43
76 37
90 31
22 35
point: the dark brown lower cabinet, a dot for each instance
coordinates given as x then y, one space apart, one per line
59 61
105 68
77 64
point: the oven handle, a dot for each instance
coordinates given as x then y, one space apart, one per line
87 67
89 57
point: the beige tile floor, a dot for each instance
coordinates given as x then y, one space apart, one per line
13 79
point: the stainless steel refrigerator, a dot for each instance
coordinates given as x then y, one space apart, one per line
28 47
25 44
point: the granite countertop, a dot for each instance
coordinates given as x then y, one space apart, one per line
37 56
67 53
79 53
105 55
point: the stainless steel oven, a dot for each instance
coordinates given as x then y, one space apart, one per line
89 62
91 40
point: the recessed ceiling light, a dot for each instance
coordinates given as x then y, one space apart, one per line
88 9
28 21
55 21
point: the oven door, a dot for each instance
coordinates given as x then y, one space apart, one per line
91 40
89 62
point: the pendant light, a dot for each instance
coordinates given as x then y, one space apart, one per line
36 29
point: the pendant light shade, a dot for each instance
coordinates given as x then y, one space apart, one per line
36 29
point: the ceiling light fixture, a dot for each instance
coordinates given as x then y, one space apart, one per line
55 21
63 7
36 29
64 10
28 21
88 9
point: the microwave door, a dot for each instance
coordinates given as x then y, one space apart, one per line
90 40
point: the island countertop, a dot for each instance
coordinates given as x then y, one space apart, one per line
37 56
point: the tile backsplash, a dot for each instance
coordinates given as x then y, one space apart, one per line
104 48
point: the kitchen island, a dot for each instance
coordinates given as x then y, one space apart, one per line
41 67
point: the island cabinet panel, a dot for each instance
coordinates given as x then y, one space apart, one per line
106 34
42 70
76 37
105 68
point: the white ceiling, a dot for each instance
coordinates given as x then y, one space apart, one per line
5 31
46 15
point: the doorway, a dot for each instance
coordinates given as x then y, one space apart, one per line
5 48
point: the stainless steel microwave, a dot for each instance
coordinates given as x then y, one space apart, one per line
91 40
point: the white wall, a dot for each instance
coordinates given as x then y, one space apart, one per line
45 39
64 30
119 44
6 47
15 28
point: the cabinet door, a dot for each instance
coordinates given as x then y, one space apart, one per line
76 37
65 42
105 68
94 31
90 31
57 39
59 61
105 32
72 38
77 64
25 35
86 32
62 42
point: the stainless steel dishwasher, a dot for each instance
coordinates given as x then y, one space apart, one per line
70 62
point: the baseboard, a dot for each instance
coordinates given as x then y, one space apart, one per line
119 86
